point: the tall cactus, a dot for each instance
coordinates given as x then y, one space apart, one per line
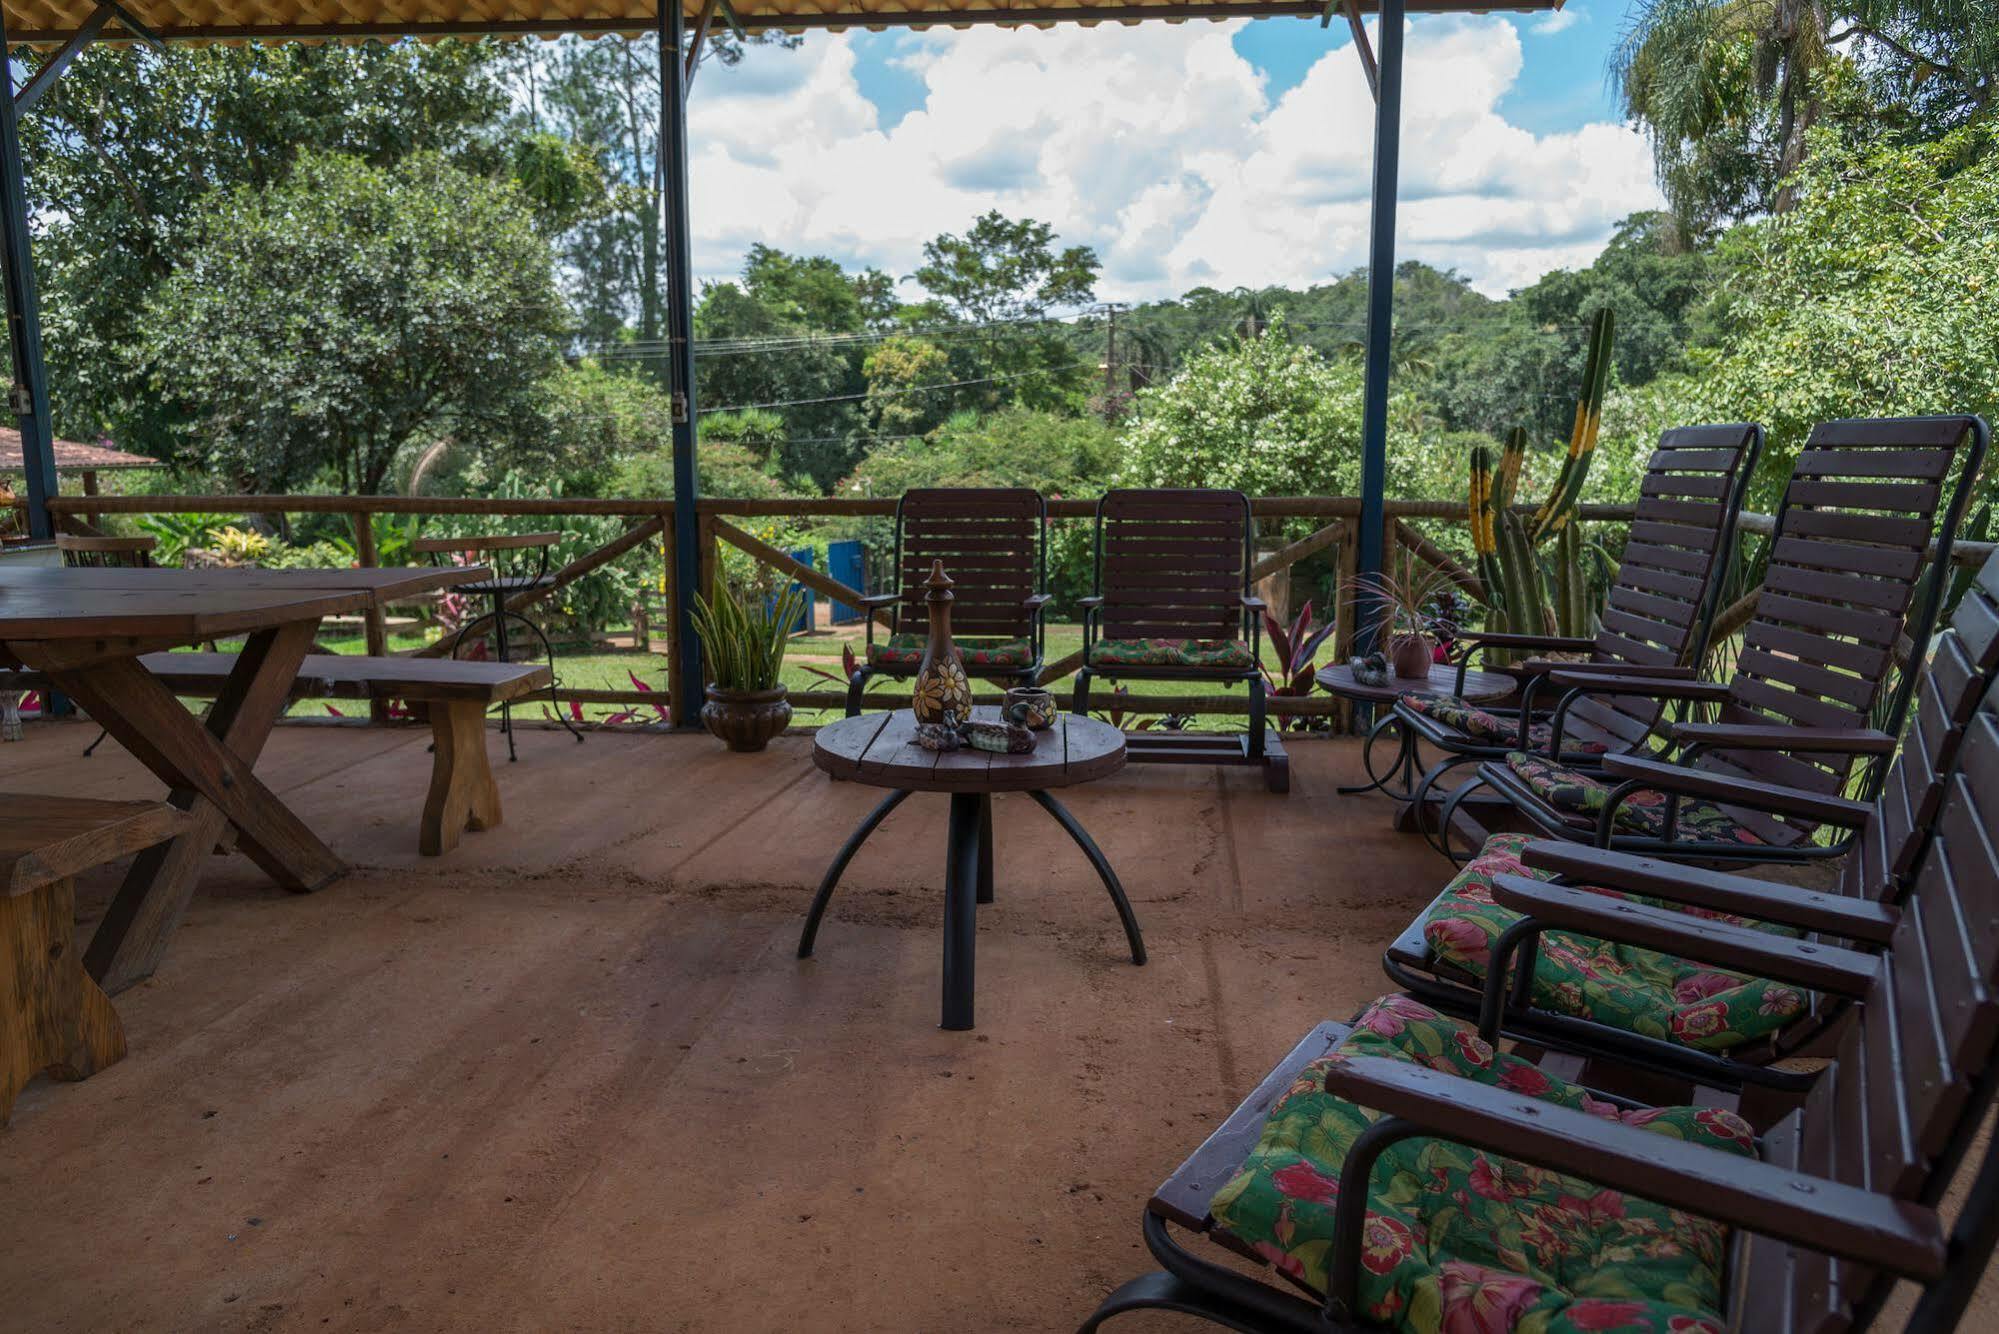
1524 593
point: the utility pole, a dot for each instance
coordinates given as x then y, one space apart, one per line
1110 310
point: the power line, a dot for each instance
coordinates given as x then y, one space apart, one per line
895 393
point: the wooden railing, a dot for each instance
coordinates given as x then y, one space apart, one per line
1335 520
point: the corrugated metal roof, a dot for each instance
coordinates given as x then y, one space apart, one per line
49 21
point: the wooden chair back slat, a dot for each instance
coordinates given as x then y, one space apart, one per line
991 542
1948 697
1848 562
1173 564
106 552
1657 611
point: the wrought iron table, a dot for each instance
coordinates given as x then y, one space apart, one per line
880 749
1479 688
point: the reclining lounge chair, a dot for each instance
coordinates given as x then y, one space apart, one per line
1816 692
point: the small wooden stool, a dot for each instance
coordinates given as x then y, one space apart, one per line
53 1016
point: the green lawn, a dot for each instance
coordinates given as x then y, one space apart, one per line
613 669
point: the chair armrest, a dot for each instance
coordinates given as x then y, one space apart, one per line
1637 683
1764 900
1092 603
1037 601
881 599
1251 601
1547 643
1761 736
1750 792
1820 1215
1543 666
1803 963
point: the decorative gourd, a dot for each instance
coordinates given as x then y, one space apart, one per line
943 694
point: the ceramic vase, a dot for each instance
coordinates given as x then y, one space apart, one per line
1411 657
942 693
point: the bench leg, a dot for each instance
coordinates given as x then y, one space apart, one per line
53 1017
463 794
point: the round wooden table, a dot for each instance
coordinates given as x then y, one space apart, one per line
1479 688
880 749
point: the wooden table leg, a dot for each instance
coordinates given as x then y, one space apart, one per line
961 911
209 769
53 1017
462 793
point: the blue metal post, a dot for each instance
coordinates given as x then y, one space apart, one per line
1380 306
679 271
30 396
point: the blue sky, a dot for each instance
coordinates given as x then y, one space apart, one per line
1196 153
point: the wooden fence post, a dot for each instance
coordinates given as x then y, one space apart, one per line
374 629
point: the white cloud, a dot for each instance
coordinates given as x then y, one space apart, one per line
1554 21
1159 146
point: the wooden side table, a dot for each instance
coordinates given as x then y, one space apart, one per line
1479 688
880 749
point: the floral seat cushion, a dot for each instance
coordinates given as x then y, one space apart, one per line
1581 797
1224 654
1639 991
1478 724
1464 1242
906 651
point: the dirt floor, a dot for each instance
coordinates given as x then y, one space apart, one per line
572 1077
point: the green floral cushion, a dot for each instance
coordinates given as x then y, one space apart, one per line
1582 796
1224 654
1463 1242
906 650
1478 724
1639 991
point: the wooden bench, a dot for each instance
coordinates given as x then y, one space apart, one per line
53 1016
454 694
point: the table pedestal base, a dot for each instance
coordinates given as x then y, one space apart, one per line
968 882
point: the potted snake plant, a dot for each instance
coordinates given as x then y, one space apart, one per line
744 647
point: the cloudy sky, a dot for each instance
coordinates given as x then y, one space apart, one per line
1227 154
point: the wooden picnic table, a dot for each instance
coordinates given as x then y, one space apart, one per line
86 629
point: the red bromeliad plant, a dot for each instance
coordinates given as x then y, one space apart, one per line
1296 652
849 664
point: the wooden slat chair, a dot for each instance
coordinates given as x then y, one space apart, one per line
1851 590
1172 602
100 553
519 562
1656 618
53 1017
124 553
994 545
1404 1158
1598 998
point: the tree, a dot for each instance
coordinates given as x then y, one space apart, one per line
1874 296
129 141
1729 90
905 376
1003 276
1269 417
330 322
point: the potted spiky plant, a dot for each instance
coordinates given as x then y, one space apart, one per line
1404 597
744 647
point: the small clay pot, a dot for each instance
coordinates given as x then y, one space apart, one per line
1036 707
1411 657
745 720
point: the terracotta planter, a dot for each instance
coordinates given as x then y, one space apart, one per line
745 720
1410 657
